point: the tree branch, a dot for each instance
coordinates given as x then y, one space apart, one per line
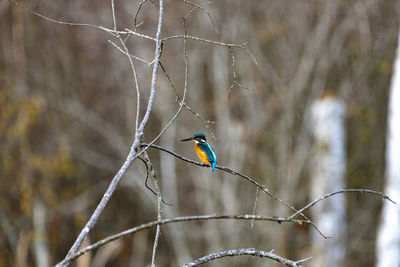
159 209
351 190
58 21
154 76
135 78
131 156
182 219
110 31
205 122
201 40
132 56
195 6
245 251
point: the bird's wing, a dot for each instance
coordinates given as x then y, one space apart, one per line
210 153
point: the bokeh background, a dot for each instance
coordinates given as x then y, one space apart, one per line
67 117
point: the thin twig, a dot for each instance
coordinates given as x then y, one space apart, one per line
145 181
113 15
351 190
131 64
114 32
154 75
205 122
159 208
246 48
201 8
132 56
58 21
233 62
234 80
240 85
255 206
138 34
182 219
110 31
245 251
202 40
134 26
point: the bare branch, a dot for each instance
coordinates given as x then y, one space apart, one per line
132 56
132 66
202 40
154 75
201 8
58 21
159 209
240 85
245 251
235 81
339 192
106 197
110 31
131 156
134 26
146 179
251 55
182 219
233 62
138 34
255 206
186 106
113 15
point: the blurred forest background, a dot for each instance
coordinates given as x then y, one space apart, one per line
67 118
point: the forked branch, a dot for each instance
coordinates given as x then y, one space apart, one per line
133 153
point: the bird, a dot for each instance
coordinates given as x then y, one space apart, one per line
203 150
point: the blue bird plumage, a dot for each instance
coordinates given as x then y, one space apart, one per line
204 150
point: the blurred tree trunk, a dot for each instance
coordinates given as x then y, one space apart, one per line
40 238
328 176
388 240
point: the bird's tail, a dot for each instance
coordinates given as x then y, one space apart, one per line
213 166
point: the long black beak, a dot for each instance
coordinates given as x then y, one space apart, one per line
187 139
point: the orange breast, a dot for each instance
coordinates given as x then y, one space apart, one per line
202 155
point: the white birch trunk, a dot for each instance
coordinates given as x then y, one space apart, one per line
327 176
388 239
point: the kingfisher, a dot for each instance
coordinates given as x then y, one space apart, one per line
203 150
